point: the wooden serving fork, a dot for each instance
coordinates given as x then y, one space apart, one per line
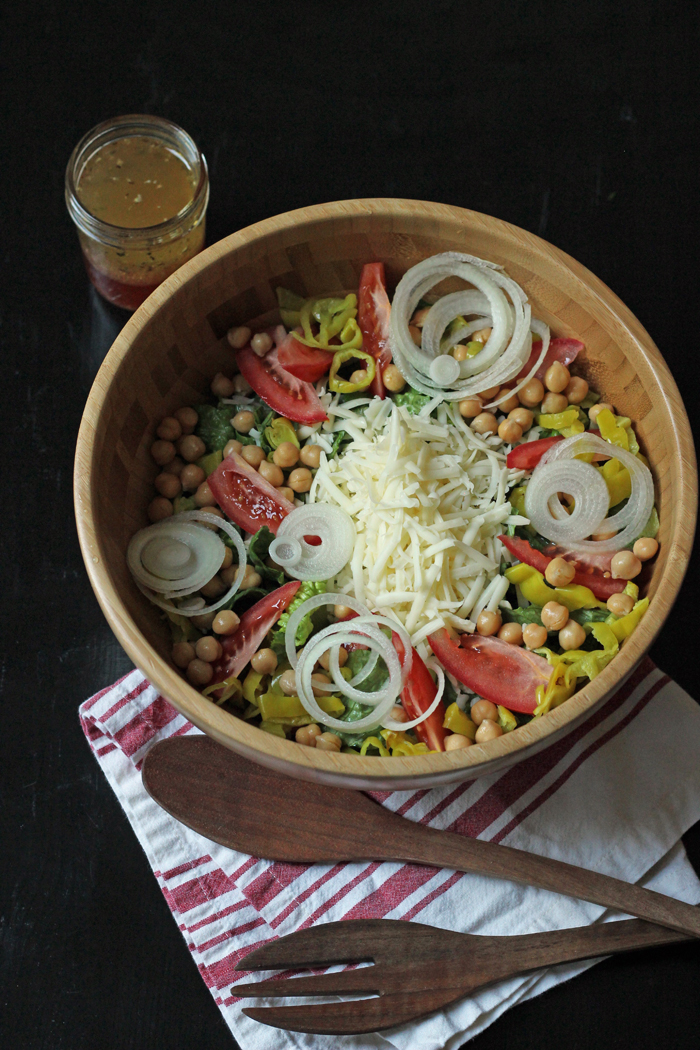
417 969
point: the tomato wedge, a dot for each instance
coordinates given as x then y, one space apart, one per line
278 388
602 586
497 671
528 455
255 623
417 696
373 313
303 362
563 350
246 497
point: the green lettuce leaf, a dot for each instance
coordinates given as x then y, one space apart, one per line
412 400
258 551
307 625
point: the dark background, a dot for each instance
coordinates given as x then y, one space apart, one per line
576 122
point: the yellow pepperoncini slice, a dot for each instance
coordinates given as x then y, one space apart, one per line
506 719
279 430
210 462
623 627
374 741
576 663
458 722
232 690
344 386
568 419
618 481
533 587
289 710
610 429
335 318
252 687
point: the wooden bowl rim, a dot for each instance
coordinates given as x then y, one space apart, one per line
235 733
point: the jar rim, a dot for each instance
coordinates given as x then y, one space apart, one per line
121 127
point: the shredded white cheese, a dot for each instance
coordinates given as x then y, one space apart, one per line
428 498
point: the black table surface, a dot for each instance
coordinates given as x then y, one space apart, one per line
577 122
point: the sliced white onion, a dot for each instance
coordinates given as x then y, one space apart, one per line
401 727
176 557
546 513
304 561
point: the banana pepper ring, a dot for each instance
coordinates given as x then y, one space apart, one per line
344 386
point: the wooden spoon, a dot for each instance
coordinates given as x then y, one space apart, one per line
250 809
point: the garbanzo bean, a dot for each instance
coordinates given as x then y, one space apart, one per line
232 447
645 547
488 623
187 418
264 661
216 512
554 616
221 385
159 509
182 653
213 588
287 682
286 455
228 558
485 423
168 485
310 456
595 410
286 492
523 417
625 565
576 390
191 447
307 735
459 352
553 403
341 612
208 649
204 497
455 742
510 403
470 407
192 477
328 742
398 714
620 604
511 633
557 377
318 679
300 479
199 672
243 422
482 335
163 452
392 379
261 343
169 429
532 393
534 635
241 385
359 376
510 431
572 636
175 466
226 621
416 334
253 455
238 337
325 659
272 473
559 572
483 709
251 578
488 730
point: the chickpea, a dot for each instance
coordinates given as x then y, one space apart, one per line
359 376
420 316
228 558
488 623
483 709
557 377
318 679
225 622
300 480
602 535
191 448
328 742
644 548
182 654
307 735
168 485
169 429
264 661
199 672
216 512
187 418
251 578
204 497
488 730
485 423
416 334
398 714
625 565
576 390
325 659
287 683
572 636
523 417
159 509
241 385
203 622
192 477
595 410
553 403
232 447
272 473
510 431
455 742
208 649
392 379
532 393
238 337
488 394
459 352
341 612
175 466
511 401
554 616
511 633
213 588
162 452
482 335
228 575
620 604
534 635
261 343
253 455
221 385
286 492
470 407
286 455
310 456
243 421
559 572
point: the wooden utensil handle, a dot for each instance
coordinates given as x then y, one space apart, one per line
448 850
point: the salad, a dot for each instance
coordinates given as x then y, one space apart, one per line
398 526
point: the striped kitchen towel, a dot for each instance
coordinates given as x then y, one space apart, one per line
615 795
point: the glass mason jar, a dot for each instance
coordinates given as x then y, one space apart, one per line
125 262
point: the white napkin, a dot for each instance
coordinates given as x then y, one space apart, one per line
615 796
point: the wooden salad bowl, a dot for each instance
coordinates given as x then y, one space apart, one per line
168 352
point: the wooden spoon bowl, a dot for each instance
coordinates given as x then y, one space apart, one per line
169 350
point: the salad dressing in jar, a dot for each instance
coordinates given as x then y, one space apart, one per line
137 189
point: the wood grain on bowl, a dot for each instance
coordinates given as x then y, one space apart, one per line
168 351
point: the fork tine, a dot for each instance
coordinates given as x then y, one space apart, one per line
332 942
347 982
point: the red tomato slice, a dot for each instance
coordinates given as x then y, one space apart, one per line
246 497
587 562
373 313
278 388
497 671
255 623
563 350
602 586
302 361
528 455
417 696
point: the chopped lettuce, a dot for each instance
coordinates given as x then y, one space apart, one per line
412 400
258 550
214 426
307 590
353 713
530 614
